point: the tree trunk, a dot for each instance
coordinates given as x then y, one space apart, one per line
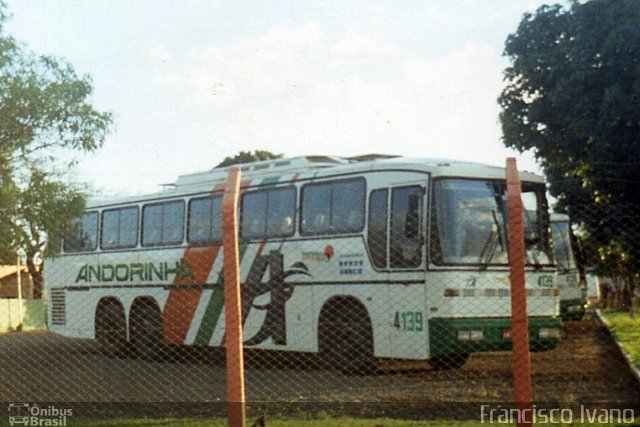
36 276
627 294
605 288
617 297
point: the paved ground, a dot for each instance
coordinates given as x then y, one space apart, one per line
40 366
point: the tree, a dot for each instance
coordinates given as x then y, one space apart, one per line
46 209
248 157
46 119
572 96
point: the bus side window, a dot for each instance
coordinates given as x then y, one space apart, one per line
163 223
268 213
253 215
205 220
377 230
119 228
281 208
412 220
406 239
316 208
85 236
333 207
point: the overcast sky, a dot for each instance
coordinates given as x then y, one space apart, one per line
193 81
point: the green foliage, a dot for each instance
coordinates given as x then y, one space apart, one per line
572 96
47 206
626 328
248 157
46 119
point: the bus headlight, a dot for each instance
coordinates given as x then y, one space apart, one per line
574 308
470 335
451 292
548 333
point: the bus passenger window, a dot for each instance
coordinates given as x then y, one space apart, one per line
286 228
281 207
119 228
205 220
347 206
406 239
162 223
412 221
333 207
316 206
377 230
85 236
264 213
253 218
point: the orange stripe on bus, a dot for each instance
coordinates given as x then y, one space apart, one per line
182 303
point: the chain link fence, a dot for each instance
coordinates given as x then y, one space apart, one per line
393 301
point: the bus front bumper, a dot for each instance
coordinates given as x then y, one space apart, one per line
572 309
454 336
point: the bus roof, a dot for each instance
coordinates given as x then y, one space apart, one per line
319 166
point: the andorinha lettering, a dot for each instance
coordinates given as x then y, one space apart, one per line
135 271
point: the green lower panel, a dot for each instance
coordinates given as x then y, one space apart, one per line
572 309
444 337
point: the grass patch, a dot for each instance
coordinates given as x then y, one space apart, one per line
626 328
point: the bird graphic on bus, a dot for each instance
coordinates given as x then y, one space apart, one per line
274 324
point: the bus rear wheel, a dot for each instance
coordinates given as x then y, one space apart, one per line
145 328
346 340
445 362
111 327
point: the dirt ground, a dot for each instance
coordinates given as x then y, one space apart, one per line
44 367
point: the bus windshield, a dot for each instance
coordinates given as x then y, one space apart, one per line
470 227
562 250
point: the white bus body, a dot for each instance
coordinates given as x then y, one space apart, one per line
406 258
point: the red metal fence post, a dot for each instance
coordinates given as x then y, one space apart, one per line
519 321
232 308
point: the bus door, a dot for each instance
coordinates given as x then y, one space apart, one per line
407 255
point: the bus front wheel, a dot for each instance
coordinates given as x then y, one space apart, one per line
346 339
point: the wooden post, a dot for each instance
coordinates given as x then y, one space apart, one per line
519 321
232 308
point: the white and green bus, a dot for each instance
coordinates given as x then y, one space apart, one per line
357 259
572 294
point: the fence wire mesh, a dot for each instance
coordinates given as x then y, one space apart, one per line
383 303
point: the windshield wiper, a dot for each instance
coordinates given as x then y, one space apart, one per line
490 245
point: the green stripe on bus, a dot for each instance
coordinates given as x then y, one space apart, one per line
214 308
216 301
270 181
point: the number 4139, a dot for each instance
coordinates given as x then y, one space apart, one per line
408 321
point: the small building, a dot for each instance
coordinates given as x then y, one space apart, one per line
9 282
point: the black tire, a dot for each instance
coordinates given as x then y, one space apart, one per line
111 328
346 340
445 362
145 328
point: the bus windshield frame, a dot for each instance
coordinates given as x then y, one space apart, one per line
562 247
469 223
